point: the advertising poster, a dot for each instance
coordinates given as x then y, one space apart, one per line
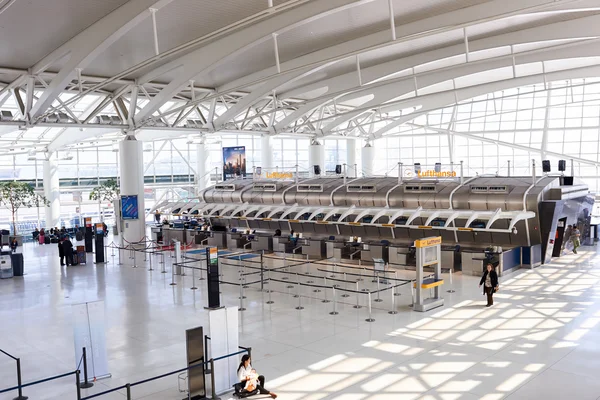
129 207
234 162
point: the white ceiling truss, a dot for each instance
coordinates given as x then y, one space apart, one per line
364 85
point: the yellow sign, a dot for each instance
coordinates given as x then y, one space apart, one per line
279 175
434 174
430 241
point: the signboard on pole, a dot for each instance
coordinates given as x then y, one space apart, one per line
89 332
224 339
234 162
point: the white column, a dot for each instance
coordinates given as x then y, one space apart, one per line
131 170
351 157
51 191
367 158
266 153
202 165
316 156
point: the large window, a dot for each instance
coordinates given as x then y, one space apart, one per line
560 120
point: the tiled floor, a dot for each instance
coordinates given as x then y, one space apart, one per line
540 340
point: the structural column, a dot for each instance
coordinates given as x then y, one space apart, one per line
266 153
351 157
131 170
202 166
51 191
367 158
316 156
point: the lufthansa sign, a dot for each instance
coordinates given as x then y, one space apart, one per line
427 242
279 175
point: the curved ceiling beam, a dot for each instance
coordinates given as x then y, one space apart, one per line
579 28
258 94
214 54
457 19
87 45
442 99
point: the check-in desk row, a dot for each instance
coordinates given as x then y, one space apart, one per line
365 251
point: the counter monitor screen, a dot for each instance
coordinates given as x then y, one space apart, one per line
359 240
300 235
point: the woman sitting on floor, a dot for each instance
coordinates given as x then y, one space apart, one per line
250 382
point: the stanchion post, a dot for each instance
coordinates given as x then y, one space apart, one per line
357 306
393 311
297 286
163 269
325 290
193 279
378 299
334 312
19 382
77 373
299 297
396 280
270 301
150 269
370 319
86 384
213 389
241 308
173 283
128 390
451 290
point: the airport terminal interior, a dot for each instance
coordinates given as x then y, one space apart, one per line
299 199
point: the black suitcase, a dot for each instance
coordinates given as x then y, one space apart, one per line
46 239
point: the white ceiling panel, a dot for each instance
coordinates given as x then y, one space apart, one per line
31 29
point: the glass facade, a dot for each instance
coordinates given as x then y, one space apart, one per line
559 120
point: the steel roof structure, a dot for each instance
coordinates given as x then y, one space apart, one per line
74 71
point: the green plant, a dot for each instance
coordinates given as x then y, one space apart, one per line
107 191
15 195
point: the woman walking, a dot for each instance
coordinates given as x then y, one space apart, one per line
489 280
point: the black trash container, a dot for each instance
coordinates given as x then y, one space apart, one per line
17 263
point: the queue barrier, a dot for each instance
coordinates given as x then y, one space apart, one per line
85 384
127 387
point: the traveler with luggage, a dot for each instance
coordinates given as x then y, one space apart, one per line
68 249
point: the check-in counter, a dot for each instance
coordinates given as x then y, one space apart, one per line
398 255
314 248
333 249
171 234
236 240
472 262
375 250
217 239
201 236
279 243
448 258
262 242
352 250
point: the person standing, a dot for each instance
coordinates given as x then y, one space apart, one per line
157 216
61 252
489 280
68 250
13 245
576 238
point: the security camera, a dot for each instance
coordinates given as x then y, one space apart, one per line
514 230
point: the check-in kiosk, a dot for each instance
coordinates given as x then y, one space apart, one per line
429 254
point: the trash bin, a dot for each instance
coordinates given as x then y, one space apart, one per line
6 270
17 263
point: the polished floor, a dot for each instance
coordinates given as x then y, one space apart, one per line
541 340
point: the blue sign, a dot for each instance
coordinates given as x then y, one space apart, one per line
129 207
